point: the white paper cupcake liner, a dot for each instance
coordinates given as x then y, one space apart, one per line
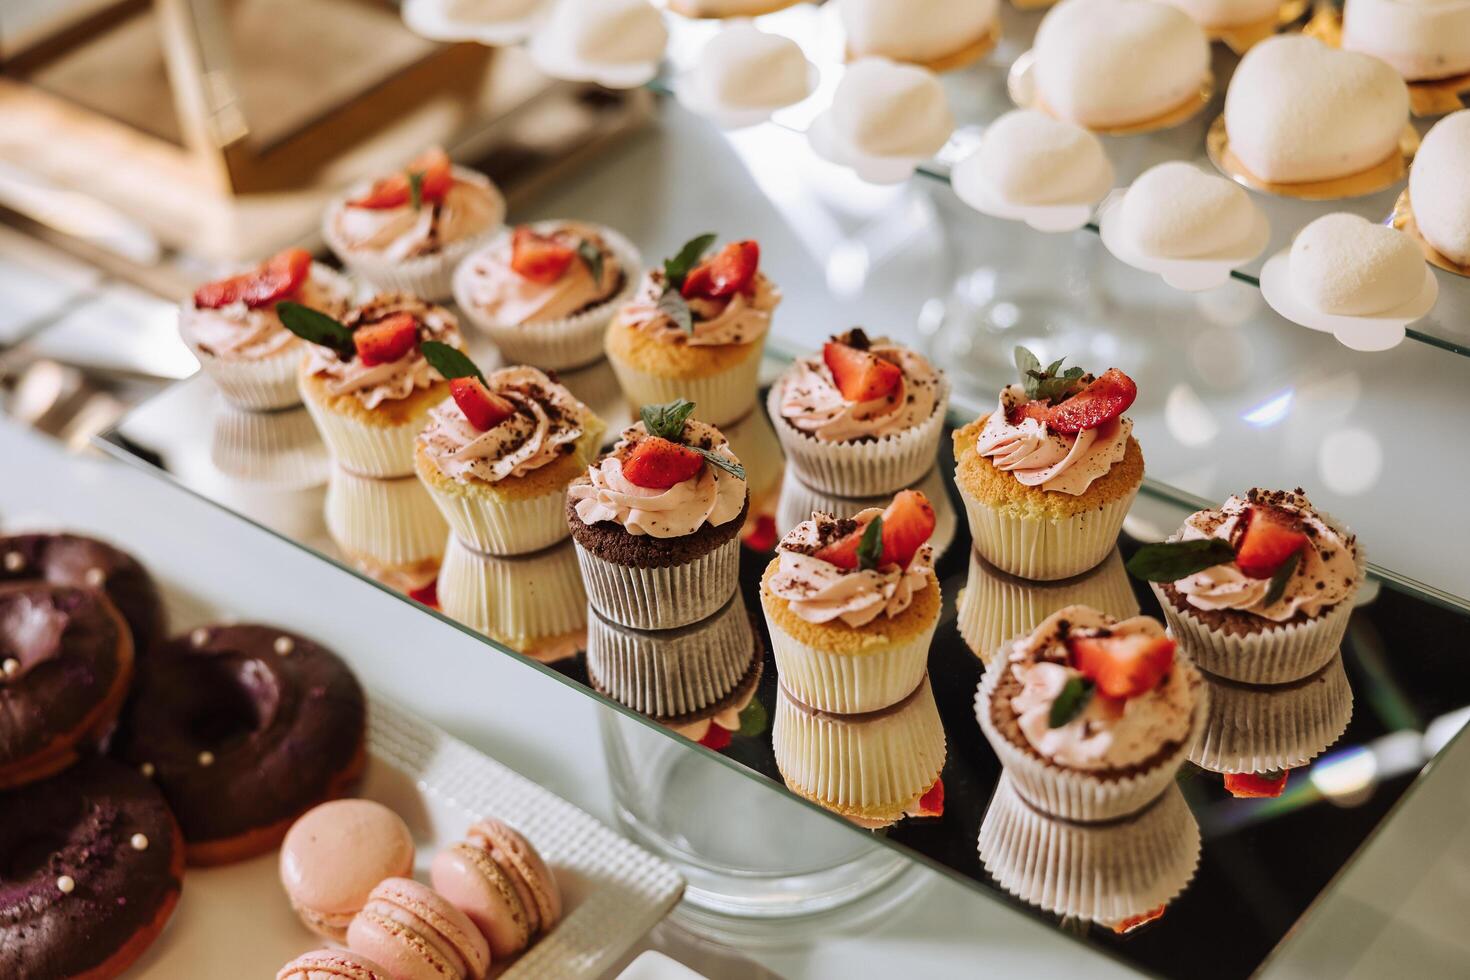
850 683
798 502
1044 549
1268 729
382 451
994 607
720 398
669 673
392 524
496 525
872 767
256 385
524 602
860 469
1105 873
661 598
279 449
1076 795
555 345
754 443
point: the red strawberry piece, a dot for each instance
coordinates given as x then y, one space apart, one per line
1255 786
931 804
276 278
539 258
907 523
1037 410
1123 666
657 464
1271 536
760 535
395 191
1102 401
386 341
716 738
1134 921
860 376
483 407
427 595
730 271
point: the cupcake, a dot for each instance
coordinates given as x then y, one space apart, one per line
862 419
407 231
656 521
696 328
365 379
534 604
798 502
387 528
852 604
544 293
497 454
1091 716
1259 590
232 326
1048 477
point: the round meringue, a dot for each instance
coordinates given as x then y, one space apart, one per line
1223 14
1348 266
918 31
744 68
1439 187
884 119
615 43
1027 157
1420 39
1176 210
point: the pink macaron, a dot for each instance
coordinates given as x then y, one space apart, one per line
332 964
501 883
417 934
335 854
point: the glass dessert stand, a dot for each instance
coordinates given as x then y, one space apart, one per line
1200 854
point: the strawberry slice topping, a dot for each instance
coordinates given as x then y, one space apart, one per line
716 738
732 270
760 533
483 407
1256 786
427 595
1102 401
275 279
387 341
1123 666
1037 410
860 375
1271 536
396 191
931 804
539 258
657 464
907 523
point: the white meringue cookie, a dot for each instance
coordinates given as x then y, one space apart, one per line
918 31
1421 39
1346 265
1439 187
742 67
1030 158
1221 14
1175 210
615 43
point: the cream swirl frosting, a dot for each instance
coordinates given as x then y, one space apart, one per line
243 333
470 207
506 296
1039 457
1108 733
376 383
740 319
712 494
812 402
819 591
547 424
1326 574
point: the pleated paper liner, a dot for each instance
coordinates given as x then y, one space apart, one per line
1403 219
388 528
1044 549
533 604
255 384
1021 85
1253 729
1434 97
722 398
798 502
373 450
1240 38
753 441
962 57
726 711
661 598
279 449
870 767
669 673
1384 174
994 607
1106 872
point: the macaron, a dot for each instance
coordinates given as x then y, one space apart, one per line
501 883
418 935
333 856
332 964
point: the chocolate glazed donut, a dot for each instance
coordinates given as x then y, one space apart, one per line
90 868
71 559
245 727
66 659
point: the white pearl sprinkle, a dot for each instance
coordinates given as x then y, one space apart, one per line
11 666
199 637
14 561
284 645
146 769
66 884
139 842
95 577
206 758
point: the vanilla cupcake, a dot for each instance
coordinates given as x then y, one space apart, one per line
1091 716
1423 40
407 231
863 418
695 329
498 454
852 605
1048 477
1259 590
938 34
544 293
232 327
656 522
365 379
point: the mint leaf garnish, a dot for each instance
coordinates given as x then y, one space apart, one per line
672 305
723 462
667 421
450 362
1071 702
315 327
1283 575
1051 384
1170 561
1026 364
591 256
416 188
676 268
870 548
